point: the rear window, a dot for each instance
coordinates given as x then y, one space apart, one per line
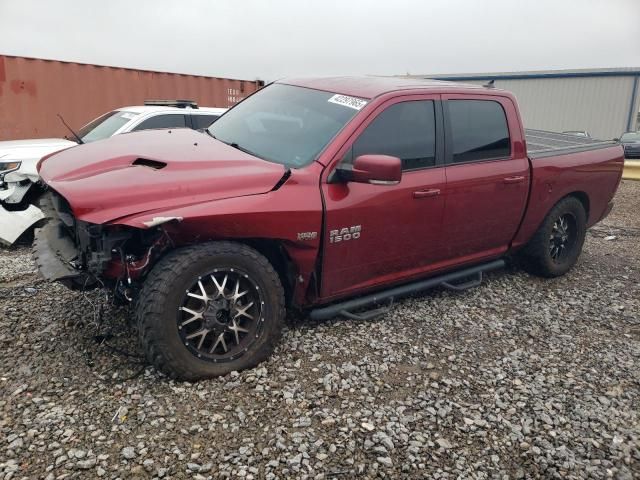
478 130
203 121
163 121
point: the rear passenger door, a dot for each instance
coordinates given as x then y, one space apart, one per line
487 176
396 228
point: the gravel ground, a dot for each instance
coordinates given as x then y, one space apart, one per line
520 378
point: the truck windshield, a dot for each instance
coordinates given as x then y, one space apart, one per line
285 124
105 126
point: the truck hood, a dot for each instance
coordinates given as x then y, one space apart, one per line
152 170
29 152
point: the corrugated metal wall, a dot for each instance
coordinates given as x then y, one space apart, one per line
599 105
33 91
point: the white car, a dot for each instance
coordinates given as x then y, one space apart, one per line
19 158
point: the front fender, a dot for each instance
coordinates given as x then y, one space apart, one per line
291 215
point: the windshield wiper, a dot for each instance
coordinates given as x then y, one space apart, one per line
245 150
241 148
236 146
70 129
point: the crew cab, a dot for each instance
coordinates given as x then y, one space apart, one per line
19 190
328 195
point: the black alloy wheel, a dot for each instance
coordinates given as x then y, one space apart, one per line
220 316
209 309
562 238
555 247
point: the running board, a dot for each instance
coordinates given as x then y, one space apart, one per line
345 308
460 287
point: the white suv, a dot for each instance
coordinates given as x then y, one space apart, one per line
19 158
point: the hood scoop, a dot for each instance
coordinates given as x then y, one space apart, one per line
145 162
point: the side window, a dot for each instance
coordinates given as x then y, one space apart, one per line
162 121
202 121
478 130
406 130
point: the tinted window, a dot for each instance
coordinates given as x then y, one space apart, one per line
478 130
162 121
203 121
405 130
286 124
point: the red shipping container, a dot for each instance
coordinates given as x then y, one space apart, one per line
33 91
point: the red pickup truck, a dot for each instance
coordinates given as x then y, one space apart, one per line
327 195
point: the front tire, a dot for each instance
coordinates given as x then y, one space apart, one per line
555 247
210 309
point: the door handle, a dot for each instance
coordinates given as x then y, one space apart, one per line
518 179
432 192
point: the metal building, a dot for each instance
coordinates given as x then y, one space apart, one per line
33 91
604 102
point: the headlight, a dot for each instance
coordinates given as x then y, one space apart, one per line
6 167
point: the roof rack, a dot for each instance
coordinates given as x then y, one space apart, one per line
172 103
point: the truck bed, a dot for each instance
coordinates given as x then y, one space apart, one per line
541 143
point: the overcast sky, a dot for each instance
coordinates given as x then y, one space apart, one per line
270 39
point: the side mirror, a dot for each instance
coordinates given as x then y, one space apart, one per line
374 169
616 139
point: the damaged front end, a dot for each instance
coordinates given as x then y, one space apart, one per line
83 255
16 214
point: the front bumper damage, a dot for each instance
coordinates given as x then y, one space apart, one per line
82 255
54 248
15 219
13 223
56 255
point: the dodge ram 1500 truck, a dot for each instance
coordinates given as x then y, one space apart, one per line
326 195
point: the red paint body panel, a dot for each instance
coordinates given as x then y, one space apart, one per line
374 87
401 235
483 209
279 215
33 91
102 184
595 173
480 211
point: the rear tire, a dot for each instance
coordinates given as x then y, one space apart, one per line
555 247
210 309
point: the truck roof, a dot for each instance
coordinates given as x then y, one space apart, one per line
374 86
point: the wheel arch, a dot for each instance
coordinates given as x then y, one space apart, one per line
582 197
274 251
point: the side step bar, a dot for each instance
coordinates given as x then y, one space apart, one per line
345 308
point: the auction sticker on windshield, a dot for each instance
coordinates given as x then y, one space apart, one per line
347 101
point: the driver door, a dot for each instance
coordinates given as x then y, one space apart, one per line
376 234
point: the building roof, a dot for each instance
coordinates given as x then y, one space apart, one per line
372 86
575 73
